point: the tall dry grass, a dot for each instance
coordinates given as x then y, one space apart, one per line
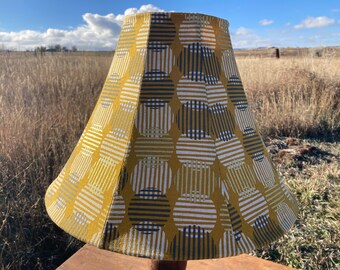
45 103
294 96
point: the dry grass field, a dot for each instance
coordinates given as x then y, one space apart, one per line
45 102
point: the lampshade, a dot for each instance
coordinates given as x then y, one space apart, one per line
171 165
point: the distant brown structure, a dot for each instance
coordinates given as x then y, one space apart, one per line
277 52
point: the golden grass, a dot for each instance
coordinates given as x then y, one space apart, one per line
46 101
294 96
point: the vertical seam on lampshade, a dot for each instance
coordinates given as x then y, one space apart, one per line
101 244
233 232
216 157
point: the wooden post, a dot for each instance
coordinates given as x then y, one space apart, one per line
168 265
277 52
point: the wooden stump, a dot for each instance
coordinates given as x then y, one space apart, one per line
92 258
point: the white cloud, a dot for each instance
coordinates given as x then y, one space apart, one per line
242 31
247 38
144 8
265 22
100 32
315 22
103 24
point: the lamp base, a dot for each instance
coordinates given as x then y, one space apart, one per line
168 265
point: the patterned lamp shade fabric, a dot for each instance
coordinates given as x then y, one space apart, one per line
171 165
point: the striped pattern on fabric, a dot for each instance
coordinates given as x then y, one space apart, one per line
196 181
188 90
264 172
236 221
114 147
235 90
91 139
229 64
225 216
128 32
156 92
102 173
244 243
111 90
102 116
78 223
253 205
223 122
121 61
223 36
241 178
190 31
253 145
170 165
193 120
156 147
267 233
68 190
274 196
89 202
143 211
86 191
216 94
136 67
142 37
58 206
285 215
212 67
129 93
244 118
151 175
122 181
154 122
200 213
192 243
199 63
135 243
57 209
80 165
117 211
227 245
191 62
111 237
159 61
230 153
188 150
162 29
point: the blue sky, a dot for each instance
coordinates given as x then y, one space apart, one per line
90 24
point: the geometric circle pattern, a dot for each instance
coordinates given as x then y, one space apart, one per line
171 165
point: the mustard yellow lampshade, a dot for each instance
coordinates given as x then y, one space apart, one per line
171 165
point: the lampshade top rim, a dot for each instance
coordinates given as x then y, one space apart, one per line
178 13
